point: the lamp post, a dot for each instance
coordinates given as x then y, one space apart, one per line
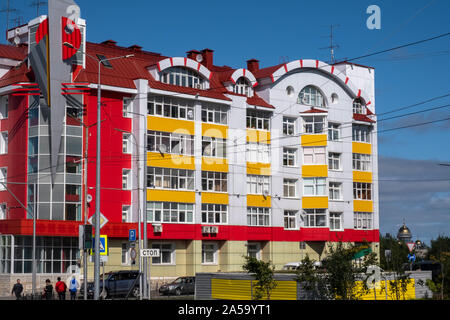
97 184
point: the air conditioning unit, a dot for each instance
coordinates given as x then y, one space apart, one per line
198 86
205 229
214 230
157 228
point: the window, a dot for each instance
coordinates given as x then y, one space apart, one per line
314 186
361 162
258 120
173 143
289 126
170 212
73 165
315 218
334 131
290 220
311 96
254 250
214 181
3 211
361 133
3 178
289 157
243 86
314 124
314 156
359 106
335 191
183 77
258 216
166 253
258 184
125 254
209 253
169 107
334 161
362 220
362 191
127 108
289 188
258 152
4 106
176 179
4 142
126 179
214 147
126 143
126 216
5 254
214 114
336 221
214 213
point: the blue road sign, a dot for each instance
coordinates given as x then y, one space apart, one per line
132 235
412 257
103 245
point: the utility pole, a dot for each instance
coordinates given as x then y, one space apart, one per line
37 4
7 11
332 45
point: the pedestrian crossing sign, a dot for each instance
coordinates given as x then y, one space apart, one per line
103 246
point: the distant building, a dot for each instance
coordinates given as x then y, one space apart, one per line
404 234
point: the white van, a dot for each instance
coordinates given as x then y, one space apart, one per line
296 265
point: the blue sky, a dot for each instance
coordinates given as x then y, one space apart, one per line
277 31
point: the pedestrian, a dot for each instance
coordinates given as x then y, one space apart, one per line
48 290
61 288
73 287
17 289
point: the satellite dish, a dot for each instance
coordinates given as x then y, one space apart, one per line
265 193
199 58
190 114
17 31
162 148
16 40
89 198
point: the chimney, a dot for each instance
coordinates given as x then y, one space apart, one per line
110 43
193 54
253 65
207 58
135 48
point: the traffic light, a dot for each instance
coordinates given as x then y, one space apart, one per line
87 237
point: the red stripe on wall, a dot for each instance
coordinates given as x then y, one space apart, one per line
301 63
285 68
346 80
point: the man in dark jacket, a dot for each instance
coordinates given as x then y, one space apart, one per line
17 289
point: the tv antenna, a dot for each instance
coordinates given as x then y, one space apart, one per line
38 4
332 45
7 11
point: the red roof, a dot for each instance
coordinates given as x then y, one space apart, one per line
258 102
12 52
314 110
17 75
362 117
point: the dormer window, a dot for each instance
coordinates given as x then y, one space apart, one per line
311 96
183 77
243 86
359 107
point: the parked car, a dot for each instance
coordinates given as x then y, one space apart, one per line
292 266
182 285
118 283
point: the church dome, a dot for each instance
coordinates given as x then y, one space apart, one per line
404 233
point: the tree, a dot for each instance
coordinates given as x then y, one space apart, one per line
311 280
440 252
264 274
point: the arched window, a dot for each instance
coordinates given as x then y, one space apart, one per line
183 77
359 106
311 96
243 86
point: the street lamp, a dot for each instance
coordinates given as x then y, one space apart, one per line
97 190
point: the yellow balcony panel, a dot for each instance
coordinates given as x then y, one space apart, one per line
215 198
258 201
262 169
314 140
362 176
361 147
170 196
214 130
170 125
362 206
173 161
258 136
214 164
315 202
314 171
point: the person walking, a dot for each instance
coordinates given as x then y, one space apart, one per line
17 290
73 288
48 290
61 288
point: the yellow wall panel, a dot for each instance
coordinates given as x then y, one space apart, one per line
258 136
214 164
170 125
381 293
258 201
314 171
215 198
361 147
314 140
170 196
262 169
214 130
362 206
174 161
315 202
285 290
231 289
362 176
